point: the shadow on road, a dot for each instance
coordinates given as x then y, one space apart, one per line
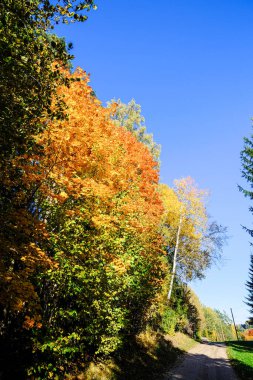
139 363
212 365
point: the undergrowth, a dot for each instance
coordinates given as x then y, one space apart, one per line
147 357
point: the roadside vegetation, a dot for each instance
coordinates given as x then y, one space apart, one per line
152 352
96 253
240 354
148 357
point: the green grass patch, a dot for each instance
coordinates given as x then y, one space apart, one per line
241 357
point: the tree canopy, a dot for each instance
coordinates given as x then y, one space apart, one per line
129 116
90 241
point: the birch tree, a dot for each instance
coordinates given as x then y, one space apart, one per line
185 224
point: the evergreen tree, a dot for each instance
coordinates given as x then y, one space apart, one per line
247 173
249 286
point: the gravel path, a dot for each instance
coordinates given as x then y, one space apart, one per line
203 362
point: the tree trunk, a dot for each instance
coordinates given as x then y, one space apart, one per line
175 258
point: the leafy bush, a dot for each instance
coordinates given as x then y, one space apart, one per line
169 321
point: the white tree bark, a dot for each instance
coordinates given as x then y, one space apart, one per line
175 257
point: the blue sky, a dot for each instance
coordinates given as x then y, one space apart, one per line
188 63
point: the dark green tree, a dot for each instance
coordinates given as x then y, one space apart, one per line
247 173
249 286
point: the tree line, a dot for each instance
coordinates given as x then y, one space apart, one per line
94 248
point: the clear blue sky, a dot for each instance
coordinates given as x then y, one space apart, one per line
189 63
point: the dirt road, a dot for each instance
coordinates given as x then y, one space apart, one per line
203 362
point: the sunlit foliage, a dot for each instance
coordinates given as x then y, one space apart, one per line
97 194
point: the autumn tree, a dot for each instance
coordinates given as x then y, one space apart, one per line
129 116
193 240
183 313
31 59
31 63
102 209
185 222
28 76
195 314
218 326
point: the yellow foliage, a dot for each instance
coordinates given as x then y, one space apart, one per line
148 339
185 223
100 371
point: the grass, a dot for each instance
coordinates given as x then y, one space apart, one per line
148 357
182 341
241 357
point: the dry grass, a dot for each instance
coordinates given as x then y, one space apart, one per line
148 357
100 371
181 341
149 340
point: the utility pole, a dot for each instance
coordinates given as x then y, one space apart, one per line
234 324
